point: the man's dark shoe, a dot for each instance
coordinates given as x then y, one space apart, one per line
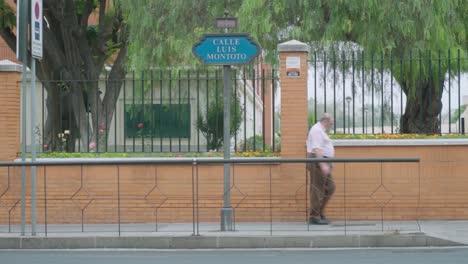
317 221
324 218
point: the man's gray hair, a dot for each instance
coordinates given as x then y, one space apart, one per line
325 117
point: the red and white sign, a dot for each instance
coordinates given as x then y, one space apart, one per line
36 28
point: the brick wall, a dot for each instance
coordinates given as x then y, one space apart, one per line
10 83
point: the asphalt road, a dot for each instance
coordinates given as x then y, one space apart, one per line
267 256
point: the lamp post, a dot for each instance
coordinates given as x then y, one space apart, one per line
348 101
364 129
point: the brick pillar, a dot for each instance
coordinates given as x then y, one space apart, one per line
292 177
10 94
293 66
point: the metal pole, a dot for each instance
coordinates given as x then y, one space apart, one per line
23 149
226 211
349 122
33 147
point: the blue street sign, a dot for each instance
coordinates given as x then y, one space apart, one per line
226 49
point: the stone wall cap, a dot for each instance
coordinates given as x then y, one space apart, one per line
293 45
9 66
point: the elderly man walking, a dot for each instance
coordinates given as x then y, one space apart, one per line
322 185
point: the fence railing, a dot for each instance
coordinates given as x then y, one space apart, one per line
168 111
412 92
186 195
162 111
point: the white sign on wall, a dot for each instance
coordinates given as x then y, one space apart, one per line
293 66
36 28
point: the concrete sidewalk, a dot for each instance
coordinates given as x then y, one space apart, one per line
245 235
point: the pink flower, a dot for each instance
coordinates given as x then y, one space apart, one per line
140 125
46 146
101 131
92 145
101 125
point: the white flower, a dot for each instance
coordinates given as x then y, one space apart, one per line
60 135
66 132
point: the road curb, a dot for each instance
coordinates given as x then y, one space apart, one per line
215 242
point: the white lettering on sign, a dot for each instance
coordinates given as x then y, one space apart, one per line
226 41
226 49
226 56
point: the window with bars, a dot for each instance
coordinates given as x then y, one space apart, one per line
157 120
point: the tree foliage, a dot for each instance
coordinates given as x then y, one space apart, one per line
385 28
211 123
75 52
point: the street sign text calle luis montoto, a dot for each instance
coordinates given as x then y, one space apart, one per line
226 49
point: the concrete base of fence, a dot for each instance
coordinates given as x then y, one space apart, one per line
217 242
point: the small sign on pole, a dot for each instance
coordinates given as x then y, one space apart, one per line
226 22
36 28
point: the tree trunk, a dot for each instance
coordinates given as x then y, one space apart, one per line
422 112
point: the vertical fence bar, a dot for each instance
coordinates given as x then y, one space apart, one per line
430 84
411 84
334 90
216 103
344 94
273 112
119 206
459 94
325 81
133 109
382 92
106 127
420 90
198 108
160 110
254 108
262 79
207 105
391 91
441 86
197 201
401 91
245 109
353 92
125 113
315 89
271 201
151 109
143 112
96 125
60 125
372 92
364 109
43 119
45 200
194 164
117 96
170 107
236 106
69 136
179 107
189 108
